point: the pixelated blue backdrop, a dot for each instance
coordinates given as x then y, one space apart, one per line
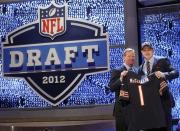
160 28
93 90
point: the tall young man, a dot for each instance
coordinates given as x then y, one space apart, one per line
163 69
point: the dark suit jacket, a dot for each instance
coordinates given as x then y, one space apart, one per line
163 64
115 86
119 113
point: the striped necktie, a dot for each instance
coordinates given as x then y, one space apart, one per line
148 67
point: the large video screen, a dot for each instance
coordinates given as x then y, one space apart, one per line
161 27
93 90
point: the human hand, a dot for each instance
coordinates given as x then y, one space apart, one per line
123 74
159 74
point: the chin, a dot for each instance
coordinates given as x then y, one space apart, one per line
148 57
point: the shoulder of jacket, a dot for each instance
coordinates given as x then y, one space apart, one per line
119 68
160 57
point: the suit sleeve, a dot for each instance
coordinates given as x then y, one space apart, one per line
169 71
115 83
162 83
140 70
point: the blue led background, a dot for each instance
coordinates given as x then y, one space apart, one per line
161 26
93 90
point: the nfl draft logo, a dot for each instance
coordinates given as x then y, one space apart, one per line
52 20
55 53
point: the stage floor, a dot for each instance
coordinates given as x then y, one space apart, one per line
56 126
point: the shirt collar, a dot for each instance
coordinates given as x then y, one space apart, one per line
127 66
150 60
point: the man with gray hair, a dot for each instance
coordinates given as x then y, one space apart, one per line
115 86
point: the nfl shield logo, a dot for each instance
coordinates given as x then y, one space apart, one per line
55 67
52 20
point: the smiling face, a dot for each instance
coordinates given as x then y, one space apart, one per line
129 58
147 52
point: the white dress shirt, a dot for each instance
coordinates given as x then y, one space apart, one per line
151 62
127 66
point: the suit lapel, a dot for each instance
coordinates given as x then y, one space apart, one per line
141 69
154 64
134 69
123 68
